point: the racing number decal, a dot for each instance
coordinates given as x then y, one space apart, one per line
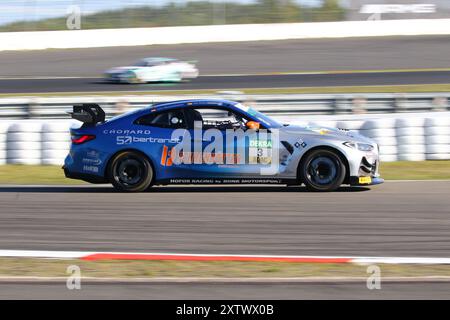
260 152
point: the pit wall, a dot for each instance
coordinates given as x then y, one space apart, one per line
37 40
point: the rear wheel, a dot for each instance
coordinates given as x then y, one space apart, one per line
130 171
132 78
174 77
322 170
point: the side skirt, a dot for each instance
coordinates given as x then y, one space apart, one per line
180 181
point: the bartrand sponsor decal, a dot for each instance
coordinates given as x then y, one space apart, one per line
121 140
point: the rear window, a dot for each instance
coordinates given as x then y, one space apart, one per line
165 119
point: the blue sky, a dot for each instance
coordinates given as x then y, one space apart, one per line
15 10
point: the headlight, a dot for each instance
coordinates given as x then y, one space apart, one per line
360 146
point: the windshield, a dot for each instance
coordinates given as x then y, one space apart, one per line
144 63
261 117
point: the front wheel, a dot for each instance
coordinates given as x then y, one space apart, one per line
130 171
322 170
132 78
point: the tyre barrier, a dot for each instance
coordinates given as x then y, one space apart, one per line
388 150
388 157
410 139
3 135
386 141
23 142
402 137
55 142
411 157
401 140
437 138
350 124
378 133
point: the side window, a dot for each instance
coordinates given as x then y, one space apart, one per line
217 118
173 119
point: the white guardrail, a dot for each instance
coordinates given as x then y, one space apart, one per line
219 33
407 136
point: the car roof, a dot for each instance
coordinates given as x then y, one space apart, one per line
193 102
160 106
158 59
202 103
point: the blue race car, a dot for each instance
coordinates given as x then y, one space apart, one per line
213 142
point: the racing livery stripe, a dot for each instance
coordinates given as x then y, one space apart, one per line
118 256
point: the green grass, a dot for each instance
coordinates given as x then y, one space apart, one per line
24 174
417 88
26 267
416 170
401 170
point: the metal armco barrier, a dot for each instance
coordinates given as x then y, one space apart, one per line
275 105
406 136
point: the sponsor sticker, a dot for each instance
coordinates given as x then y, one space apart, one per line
121 140
92 169
365 180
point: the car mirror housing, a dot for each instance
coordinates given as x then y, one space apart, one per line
253 125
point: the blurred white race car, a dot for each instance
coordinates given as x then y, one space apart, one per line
153 70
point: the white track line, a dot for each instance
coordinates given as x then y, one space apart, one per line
87 255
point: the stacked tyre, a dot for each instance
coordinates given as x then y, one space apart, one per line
23 143
437 138
410 139
55 142
383 132
3 134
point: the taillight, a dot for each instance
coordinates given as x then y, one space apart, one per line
82 139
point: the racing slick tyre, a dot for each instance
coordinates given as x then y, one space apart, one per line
403 140
322 170
132 78
130 171
174 77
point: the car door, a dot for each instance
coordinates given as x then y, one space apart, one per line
243 153
163 125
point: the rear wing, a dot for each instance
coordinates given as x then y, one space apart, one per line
88 113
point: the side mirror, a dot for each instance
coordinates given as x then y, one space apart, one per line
253 125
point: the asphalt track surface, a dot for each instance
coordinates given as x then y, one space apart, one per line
227 82
375 53
393 219
40 71
244 291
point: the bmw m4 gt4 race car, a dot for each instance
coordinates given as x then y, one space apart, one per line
153 70
214 142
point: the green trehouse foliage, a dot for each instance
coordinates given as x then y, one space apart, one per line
194 13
